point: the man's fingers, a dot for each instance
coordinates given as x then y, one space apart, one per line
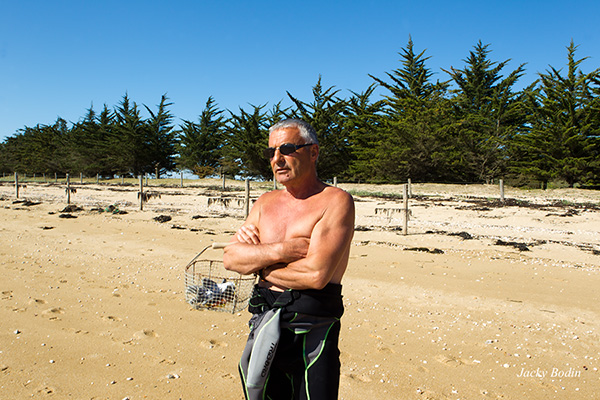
248 234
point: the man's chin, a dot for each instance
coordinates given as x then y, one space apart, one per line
282 177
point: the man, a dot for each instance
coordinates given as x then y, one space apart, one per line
297 240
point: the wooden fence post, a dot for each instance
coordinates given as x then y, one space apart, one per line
55 177
409 188
141 193
405 208
502 190
335 181
81 178
274 183
17 184
181 174
97 179
223 181
68 190
247 199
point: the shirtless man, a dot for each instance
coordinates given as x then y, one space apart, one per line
298 241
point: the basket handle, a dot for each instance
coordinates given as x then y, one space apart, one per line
216 245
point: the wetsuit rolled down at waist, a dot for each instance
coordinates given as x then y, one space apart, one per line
293 344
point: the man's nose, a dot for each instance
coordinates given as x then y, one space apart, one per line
278 157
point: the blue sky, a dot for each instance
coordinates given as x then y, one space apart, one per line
57 58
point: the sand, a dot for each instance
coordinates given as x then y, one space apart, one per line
93 307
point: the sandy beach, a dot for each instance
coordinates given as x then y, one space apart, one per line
479 300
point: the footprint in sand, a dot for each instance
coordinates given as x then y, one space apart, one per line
384 349
78 331
111 318
37 301
53 313
449 360
360 378
46 390
145 334
212 343
7 295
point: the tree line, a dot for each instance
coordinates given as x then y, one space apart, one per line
473 127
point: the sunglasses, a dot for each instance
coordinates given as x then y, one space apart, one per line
285 149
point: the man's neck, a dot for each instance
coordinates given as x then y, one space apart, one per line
306 189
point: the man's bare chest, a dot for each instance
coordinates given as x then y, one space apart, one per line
282 221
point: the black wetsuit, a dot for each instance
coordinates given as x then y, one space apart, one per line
292 349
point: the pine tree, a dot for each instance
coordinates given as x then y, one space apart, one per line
486 116
363 120
562 142
199 143
247 137
129 140
325 114
410 142
162 138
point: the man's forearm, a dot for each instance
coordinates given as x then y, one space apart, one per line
249 258
301 274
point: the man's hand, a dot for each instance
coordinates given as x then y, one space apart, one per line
248 234
295 249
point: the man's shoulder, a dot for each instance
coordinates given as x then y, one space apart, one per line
334 193
270 195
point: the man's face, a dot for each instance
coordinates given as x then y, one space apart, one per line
289 167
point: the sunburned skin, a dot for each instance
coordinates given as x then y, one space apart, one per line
298 237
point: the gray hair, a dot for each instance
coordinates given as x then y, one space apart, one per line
307 132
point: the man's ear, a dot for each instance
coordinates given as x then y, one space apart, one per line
314 152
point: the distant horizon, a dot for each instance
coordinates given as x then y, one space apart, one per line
59 61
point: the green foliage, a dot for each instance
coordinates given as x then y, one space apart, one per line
199 143
247 136
89 143
363 120
486 116
325 114
409 142
161 138
562 141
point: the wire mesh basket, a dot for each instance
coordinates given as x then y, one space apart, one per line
209 286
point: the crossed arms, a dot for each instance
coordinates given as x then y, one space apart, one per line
297 262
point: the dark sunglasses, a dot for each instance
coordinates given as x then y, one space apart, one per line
285 149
